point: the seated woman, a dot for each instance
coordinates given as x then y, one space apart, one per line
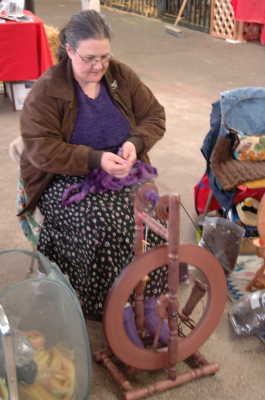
77 116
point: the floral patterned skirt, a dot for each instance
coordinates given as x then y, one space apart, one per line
92 240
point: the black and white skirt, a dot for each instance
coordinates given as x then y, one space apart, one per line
91 241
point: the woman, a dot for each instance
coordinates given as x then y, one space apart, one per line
76 118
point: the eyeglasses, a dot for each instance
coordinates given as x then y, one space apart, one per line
93 60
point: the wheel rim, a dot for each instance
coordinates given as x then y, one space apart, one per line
149 359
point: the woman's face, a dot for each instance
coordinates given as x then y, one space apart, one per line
89 50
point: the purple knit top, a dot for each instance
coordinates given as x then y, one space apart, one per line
99 124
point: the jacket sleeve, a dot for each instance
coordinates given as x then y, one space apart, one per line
148 113
41 129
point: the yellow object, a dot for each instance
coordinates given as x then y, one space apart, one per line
144 244
258 183
34 391
56 373
247 211
36 339
3 390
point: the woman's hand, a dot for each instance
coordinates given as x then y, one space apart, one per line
114 165
129 152
119 166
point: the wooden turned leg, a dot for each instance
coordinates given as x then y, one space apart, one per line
166 384
199 358
139 290
116 374
173 284
5 92
97 356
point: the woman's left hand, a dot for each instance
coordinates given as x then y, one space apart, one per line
129 152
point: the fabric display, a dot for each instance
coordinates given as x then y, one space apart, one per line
250 148
203 189
243 125
234 150
230 171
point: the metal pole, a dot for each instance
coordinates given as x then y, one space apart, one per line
29 5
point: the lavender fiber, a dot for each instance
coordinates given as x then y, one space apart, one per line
100 181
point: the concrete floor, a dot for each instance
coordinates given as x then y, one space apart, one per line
186 75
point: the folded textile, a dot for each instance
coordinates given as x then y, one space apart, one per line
231 172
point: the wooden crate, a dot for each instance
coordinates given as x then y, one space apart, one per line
223 23
251 31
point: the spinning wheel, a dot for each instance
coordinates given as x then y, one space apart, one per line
150 359
186 334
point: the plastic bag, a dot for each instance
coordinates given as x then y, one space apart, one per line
247 315
223 238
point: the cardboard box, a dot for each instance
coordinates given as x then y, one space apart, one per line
18 91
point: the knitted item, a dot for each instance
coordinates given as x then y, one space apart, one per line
130 328
151 320
231 172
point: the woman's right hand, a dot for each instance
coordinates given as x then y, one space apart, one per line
115 166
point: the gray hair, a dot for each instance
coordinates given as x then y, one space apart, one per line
88 24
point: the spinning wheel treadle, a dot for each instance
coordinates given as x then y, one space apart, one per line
151 359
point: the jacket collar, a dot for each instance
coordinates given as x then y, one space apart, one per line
62 82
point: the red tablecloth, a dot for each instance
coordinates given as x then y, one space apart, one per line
24 50
250 11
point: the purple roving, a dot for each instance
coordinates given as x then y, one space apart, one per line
100 181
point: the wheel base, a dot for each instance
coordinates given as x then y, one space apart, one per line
205 369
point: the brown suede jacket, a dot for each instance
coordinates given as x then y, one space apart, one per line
49 116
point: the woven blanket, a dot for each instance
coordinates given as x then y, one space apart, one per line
231 172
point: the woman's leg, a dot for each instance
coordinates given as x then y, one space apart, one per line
91 240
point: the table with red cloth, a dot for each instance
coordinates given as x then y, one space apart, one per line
24 50
250 11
